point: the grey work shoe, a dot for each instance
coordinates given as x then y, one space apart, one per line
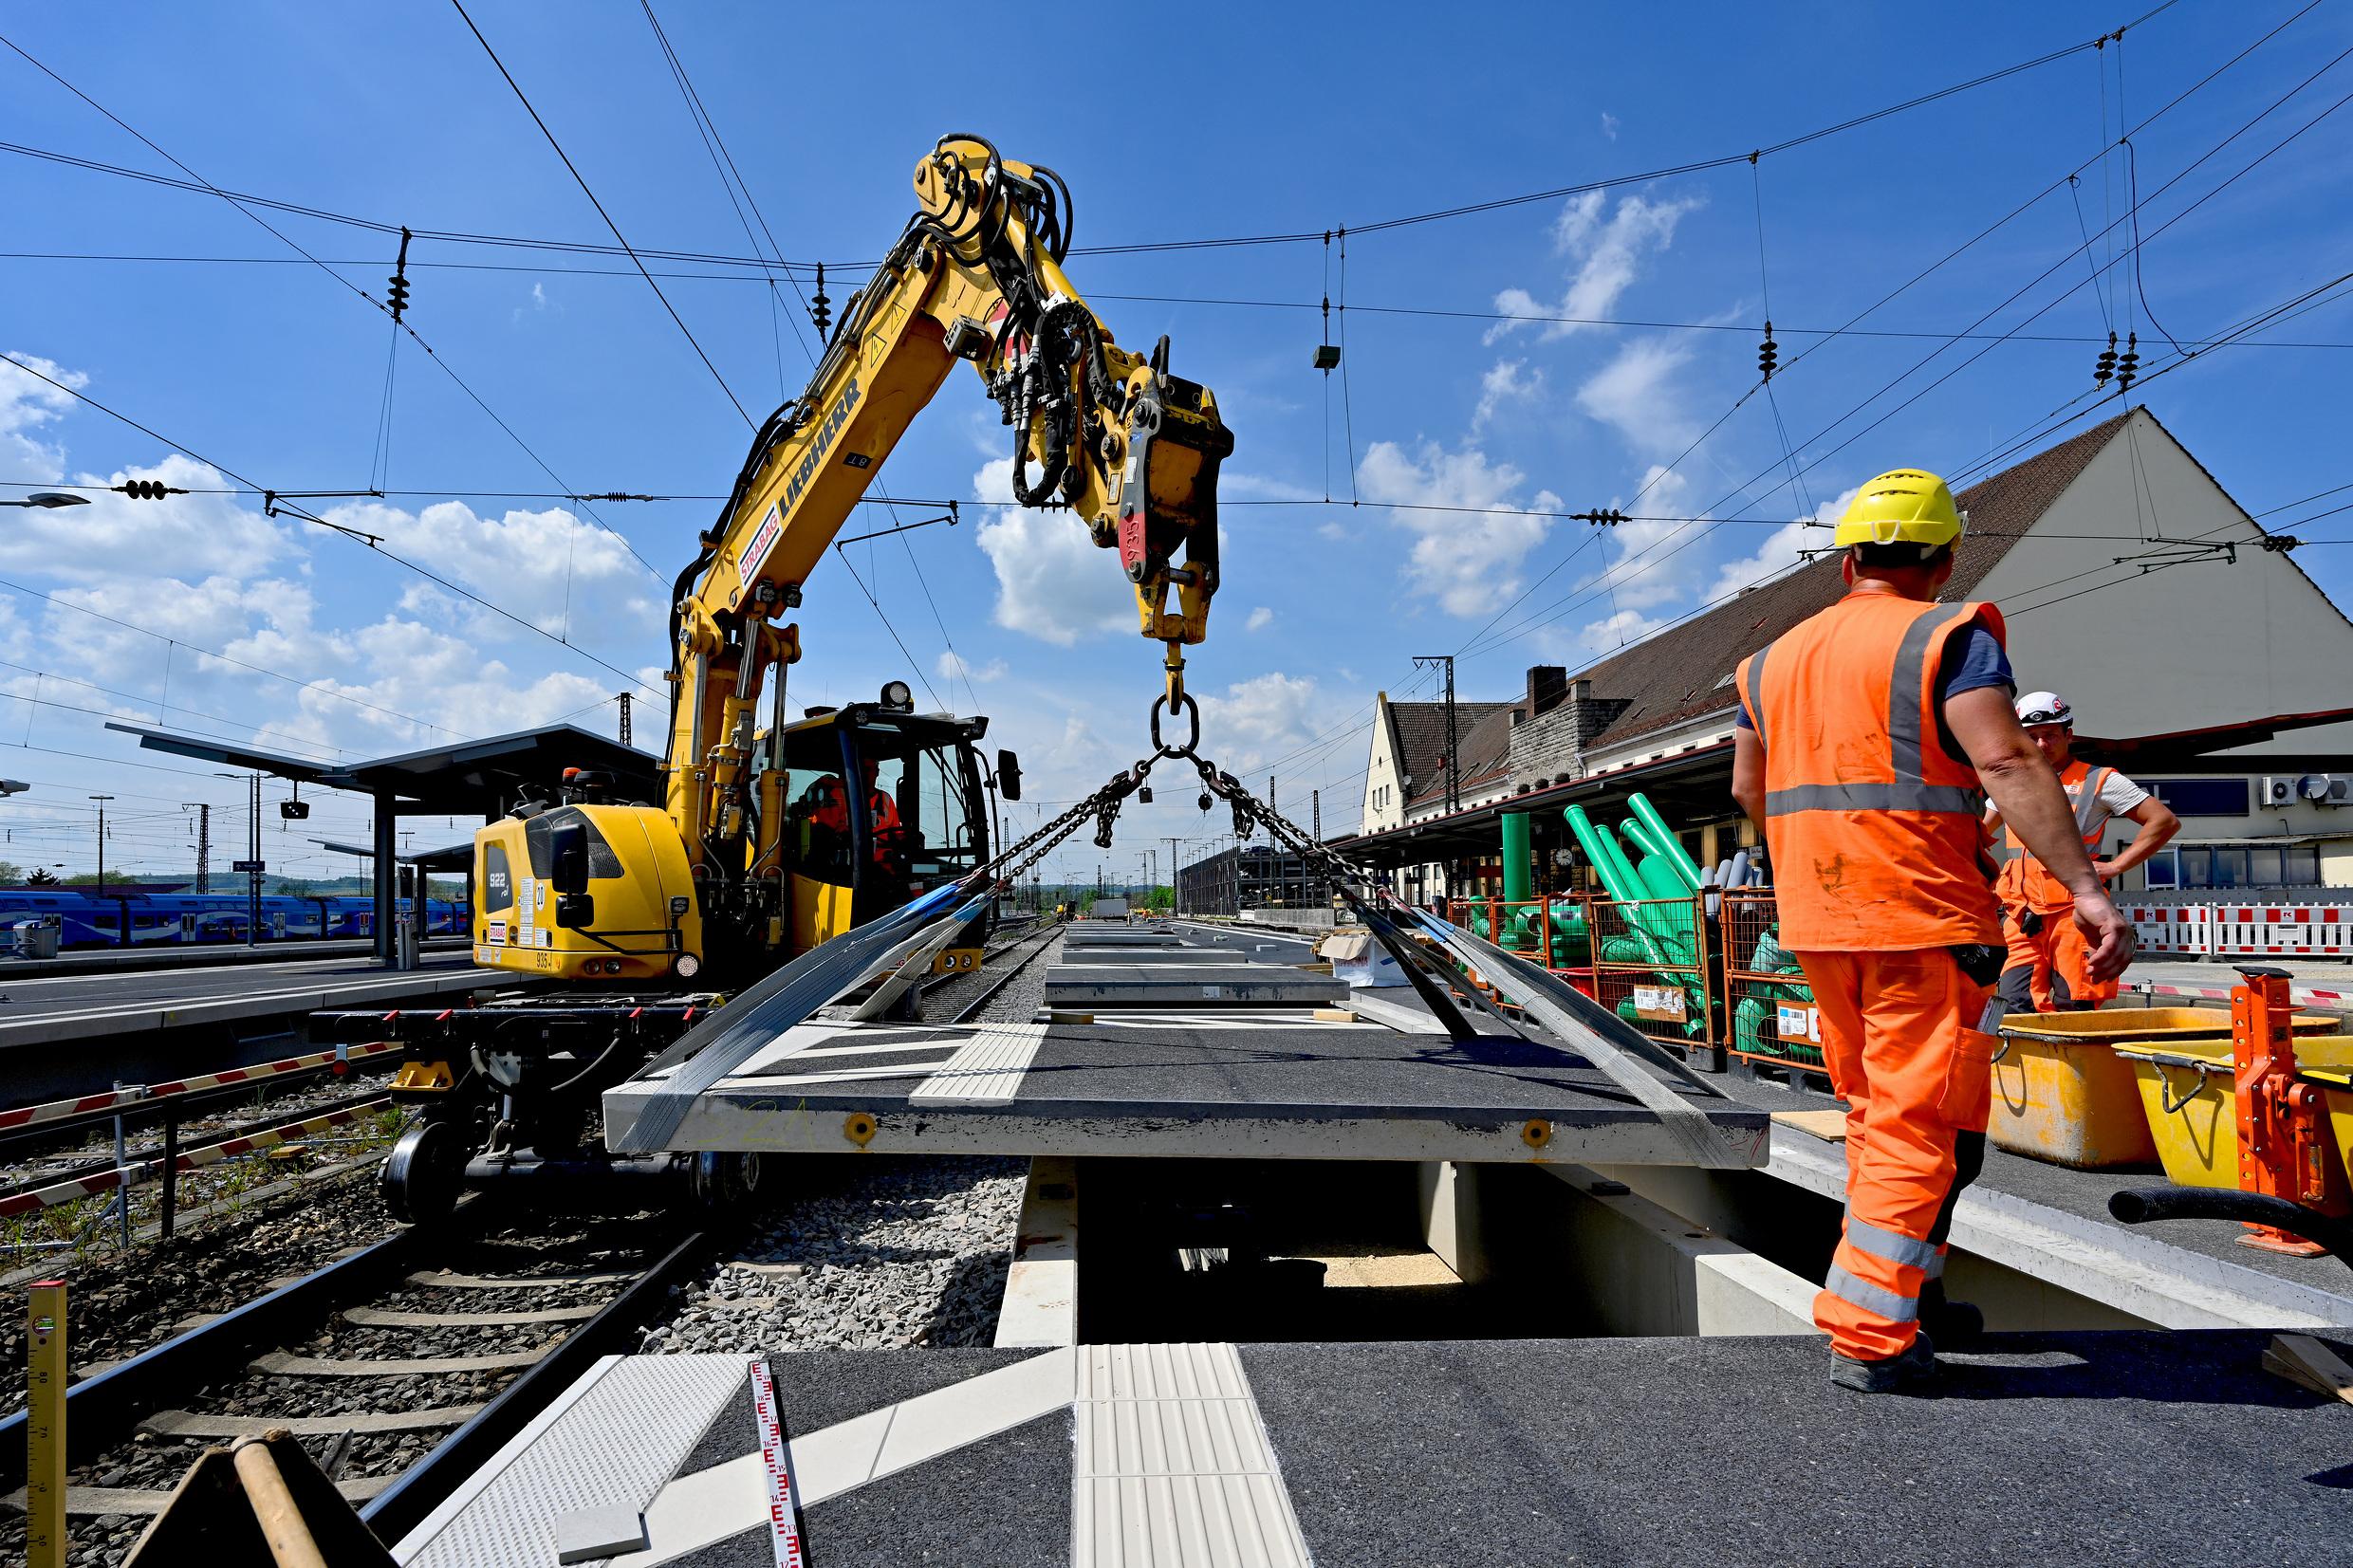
1889 1374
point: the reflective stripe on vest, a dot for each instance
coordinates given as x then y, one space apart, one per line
1906 1251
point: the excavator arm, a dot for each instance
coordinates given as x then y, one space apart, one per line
1111 434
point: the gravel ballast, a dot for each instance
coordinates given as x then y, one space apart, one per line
872 1253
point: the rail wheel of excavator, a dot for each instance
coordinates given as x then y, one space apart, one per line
726 1183
423 1175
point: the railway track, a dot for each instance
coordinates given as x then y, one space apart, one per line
402 1366
1037 942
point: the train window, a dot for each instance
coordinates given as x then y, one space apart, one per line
497 884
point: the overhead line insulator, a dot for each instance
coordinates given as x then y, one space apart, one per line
396 295
1768 354
147 490
1608 517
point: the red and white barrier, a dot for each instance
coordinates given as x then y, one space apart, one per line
142 1172
2303 996
2172 928
26 1116
2282 929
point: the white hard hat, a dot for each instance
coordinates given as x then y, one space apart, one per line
2044 708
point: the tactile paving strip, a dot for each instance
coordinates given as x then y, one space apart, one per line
1172 1466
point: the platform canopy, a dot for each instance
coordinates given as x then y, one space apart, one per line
478 778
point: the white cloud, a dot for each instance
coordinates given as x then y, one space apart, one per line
1335 532
1609 126
1260 618
28 403
1607 257
1469 560
553 569
180 536
1633 394
1506 382
1053 582
1264 716
1232 483
1779 551
951 665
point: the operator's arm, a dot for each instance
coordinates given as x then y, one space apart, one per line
1748 774
2032 800
2157 825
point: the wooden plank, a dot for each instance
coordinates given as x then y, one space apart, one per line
1334 1015
1829 1126
2306 1361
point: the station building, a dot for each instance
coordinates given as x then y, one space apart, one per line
2198 656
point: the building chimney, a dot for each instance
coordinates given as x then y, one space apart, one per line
1580 690
1547 688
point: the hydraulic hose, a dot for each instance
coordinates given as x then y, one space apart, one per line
2142 1205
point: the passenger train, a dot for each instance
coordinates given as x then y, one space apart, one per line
133 919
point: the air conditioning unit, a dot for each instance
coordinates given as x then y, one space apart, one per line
2279 789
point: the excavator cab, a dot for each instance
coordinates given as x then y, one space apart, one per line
878 805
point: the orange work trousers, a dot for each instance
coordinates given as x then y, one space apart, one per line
2050 971
1899 1034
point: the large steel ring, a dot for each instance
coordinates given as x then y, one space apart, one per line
1192 712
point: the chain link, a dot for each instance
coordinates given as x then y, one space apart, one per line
1103 805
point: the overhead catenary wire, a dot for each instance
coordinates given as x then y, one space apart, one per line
369 540
638 254
245 206
579 179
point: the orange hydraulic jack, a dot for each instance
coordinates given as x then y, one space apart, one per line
2282 1121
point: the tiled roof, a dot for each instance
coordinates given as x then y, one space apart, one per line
1418 734
1680 675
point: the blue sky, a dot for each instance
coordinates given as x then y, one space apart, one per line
1225 121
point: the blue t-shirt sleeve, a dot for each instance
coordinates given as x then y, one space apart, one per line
1973 659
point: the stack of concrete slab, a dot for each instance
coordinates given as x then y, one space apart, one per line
1152 970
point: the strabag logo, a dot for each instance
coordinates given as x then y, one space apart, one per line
827 433
754 553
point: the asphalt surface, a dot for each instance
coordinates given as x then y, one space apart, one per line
2089 1448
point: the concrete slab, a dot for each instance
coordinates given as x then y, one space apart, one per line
1097 985
1146 956
1220 1085
1121 938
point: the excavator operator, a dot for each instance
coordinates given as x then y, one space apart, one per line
830 810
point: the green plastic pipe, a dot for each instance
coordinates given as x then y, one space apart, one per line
1589 839
1668 843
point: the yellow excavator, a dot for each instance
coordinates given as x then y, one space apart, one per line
772 839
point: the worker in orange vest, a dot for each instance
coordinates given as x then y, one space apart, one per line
2047 968
1867 739
832 810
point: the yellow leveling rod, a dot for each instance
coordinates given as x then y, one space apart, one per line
44 1428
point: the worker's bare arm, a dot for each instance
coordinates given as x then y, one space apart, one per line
2032 800
2157 825
1748 775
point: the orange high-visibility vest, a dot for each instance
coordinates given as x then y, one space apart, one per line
1873 826
2025 881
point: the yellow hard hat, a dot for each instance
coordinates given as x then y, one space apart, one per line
1902 507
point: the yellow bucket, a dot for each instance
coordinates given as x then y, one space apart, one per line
2060 1093
2188 1094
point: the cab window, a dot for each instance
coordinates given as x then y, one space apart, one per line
497 884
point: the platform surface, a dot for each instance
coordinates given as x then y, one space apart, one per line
2087 1449
1230 1084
